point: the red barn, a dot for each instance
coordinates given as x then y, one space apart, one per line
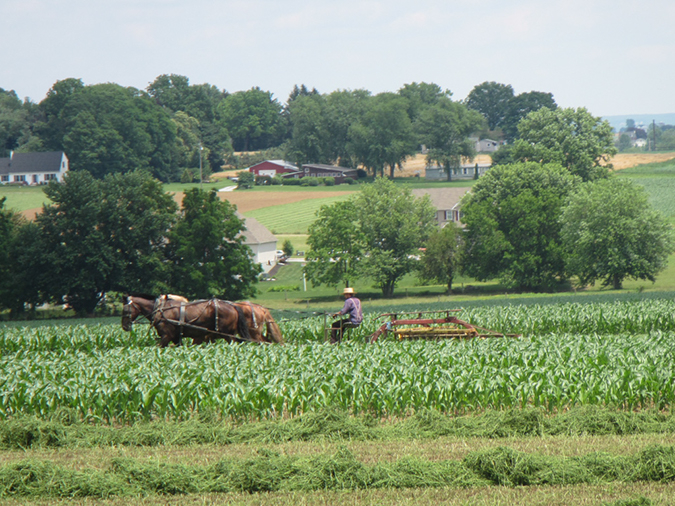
272 168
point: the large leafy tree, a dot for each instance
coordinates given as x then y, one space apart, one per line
610 232
441 258
310 139
376 234
573 138
420 96
252 118
15 122
199 103
206 250
384 136
520 106
103 235
394 224
335 245
512 225
445 128
492 100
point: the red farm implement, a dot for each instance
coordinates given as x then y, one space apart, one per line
432 325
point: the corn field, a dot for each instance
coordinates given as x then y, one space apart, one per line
615 354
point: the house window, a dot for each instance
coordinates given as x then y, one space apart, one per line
49 177
5 179
19 179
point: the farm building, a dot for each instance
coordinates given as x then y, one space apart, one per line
273 167
446 201
262 242
33 168
486 146
320 170
465 171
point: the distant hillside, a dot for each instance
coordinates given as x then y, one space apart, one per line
618 122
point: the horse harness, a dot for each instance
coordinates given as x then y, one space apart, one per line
181 323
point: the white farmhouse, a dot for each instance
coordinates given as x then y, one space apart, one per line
262 242
33 168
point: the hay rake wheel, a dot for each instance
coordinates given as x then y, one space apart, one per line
432 325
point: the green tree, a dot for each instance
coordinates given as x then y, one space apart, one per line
445 129
287 248
103 235
441 257
335 245
610 232
200 103
384 136
572 138
15 122
492 100
394 225
420 96
520 106
206 250
512 225
252 118
624 142
310 139
343 109
9 221
245 179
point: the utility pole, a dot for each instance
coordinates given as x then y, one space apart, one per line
201 148
654 134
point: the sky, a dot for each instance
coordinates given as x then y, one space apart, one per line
613 57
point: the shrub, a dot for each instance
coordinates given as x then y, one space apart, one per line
349 180
329 181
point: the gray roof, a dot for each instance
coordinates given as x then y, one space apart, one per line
256 232
327 167
443 199
25 163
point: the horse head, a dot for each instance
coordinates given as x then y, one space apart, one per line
130 311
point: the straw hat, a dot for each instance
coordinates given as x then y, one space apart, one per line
348 290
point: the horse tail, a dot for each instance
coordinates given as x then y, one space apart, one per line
242 324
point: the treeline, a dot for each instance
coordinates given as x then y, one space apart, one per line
172 127
118 234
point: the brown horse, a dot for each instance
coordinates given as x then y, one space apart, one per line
173 319
258 319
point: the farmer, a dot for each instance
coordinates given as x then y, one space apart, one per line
352 307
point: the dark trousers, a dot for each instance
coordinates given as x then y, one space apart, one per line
338 329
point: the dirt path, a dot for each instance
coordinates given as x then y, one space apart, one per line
248 201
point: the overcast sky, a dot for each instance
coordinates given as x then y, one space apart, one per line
611 56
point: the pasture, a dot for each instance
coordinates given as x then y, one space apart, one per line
580 407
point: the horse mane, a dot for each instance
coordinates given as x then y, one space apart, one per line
141 295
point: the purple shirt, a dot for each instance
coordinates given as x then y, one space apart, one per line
353 307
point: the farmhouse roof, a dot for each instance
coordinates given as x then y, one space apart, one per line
327 167
24 163
256 232
442 198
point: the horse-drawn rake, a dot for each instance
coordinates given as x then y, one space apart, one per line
432 325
